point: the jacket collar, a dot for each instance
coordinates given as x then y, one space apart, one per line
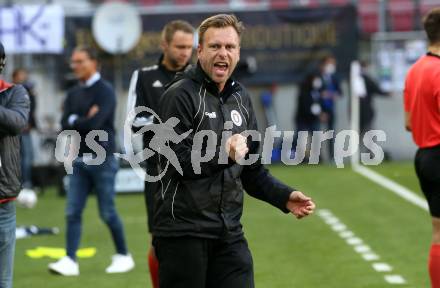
162 67
432 54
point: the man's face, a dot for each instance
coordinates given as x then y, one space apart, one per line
82 65
178 51
329 66
219 53
20 77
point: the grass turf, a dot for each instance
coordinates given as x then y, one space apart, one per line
286 252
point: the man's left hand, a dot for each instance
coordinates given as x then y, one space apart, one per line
300 205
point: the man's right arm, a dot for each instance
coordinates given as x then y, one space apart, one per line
136 98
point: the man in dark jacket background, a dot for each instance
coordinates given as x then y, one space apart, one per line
198 236
366 104
330 92
14 113
146 87
90 107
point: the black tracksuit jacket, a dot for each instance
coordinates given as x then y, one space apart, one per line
147 85
209 204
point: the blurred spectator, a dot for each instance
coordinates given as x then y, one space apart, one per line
330 91
309 104
90 106
366 102
309 107
20 76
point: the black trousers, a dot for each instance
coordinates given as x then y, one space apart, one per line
427 163
191 262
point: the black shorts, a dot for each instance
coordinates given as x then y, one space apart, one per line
427 165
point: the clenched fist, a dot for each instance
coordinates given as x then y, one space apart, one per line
236 147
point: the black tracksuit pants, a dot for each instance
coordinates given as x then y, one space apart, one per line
191 262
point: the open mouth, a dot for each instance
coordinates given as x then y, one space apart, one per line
221 67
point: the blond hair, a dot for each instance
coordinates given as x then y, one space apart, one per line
220 21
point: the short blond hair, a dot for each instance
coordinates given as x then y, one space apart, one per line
172 27
220 21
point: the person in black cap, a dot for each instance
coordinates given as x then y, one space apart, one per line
14 113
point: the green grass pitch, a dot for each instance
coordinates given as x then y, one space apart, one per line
287 252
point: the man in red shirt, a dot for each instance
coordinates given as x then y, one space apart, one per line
422 118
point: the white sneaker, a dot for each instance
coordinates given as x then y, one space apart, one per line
65 266
120 264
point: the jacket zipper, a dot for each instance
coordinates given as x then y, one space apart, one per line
222 215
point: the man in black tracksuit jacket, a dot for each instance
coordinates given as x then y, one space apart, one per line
146 87
198 235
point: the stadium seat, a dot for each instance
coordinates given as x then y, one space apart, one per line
252 1
183 2
368 16
149 2
339 2
278 4
309 3
217 2
401 15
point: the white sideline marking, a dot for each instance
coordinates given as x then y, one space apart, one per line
396 188
339 227
395 279
354 241
382 267
362 249
370 256
359 246
332 220
346 234
324 213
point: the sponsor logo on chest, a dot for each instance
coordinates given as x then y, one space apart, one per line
211 115
157 84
